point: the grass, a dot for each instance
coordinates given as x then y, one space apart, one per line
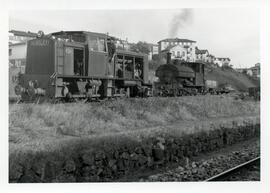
47 126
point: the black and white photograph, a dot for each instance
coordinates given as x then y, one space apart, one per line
130 95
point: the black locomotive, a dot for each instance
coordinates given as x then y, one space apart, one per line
178 78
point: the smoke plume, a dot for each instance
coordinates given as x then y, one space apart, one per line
180 20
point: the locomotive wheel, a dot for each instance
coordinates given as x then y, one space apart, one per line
28 95
68 97
55 100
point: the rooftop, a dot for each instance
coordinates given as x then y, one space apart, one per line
16 44
198 51
80 33
176 40
224 59
254 67
170 47
23 33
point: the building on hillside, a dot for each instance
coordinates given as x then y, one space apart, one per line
17 48
211 59
17 54
223 62
188 45
201 55
16 36
122 44
241 70
153 48
177 52
217 62
255 71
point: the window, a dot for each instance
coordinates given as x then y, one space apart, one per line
173 53
119 66
129 68
93 44
138 68
178 53
97 44
183 53
101 45
78 38
9 52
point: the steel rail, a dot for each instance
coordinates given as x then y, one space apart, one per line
230 171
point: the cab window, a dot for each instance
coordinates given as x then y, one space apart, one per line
97 44
93 43
101 45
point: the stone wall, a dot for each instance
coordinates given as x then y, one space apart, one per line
109 159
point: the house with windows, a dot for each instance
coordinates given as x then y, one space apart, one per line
201 55
17 54
177 52
122 44
255 71
153 50
16 36
17 47
211 59
183 48
224 62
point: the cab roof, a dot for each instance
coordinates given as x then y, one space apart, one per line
80 33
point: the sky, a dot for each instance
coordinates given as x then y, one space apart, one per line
224 32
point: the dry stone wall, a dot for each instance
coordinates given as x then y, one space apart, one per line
111 158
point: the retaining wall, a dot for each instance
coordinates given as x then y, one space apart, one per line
110 158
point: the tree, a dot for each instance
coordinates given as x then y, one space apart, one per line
155 57
142 47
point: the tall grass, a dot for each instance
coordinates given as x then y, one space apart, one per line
30 123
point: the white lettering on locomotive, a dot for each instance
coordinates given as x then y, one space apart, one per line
41 42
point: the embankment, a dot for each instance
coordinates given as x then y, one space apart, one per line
109 158
44 148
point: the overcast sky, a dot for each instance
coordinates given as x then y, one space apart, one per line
225 32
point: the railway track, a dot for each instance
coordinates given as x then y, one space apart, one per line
224 176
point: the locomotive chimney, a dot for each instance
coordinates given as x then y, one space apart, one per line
169 58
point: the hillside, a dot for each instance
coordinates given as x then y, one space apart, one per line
238 81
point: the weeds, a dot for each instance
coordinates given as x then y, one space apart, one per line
41 123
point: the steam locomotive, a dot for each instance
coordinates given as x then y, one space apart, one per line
178 78
79 64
